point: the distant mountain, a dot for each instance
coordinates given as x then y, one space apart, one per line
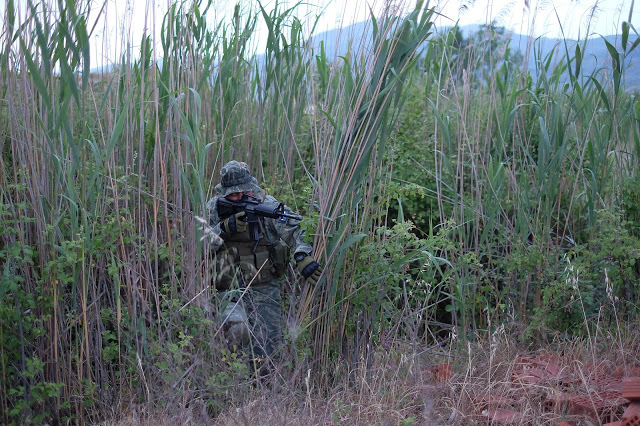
337 42
596 55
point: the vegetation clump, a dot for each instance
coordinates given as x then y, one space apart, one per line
457 197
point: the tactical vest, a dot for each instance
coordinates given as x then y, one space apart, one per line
241 261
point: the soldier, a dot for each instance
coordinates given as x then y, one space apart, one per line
248 271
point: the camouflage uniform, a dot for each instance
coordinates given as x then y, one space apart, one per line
247 272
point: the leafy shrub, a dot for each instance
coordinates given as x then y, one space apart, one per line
24 310
597 280
412 156
631 203
398 276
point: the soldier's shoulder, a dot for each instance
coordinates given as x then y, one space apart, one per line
212 204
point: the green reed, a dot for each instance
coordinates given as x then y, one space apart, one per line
102 176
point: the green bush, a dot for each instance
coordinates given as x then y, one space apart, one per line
597 281
25 309
412 158
398 278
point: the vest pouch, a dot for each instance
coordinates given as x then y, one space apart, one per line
280 254
226 272
252 263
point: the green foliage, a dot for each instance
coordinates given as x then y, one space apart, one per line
527 168
101 177
608 263
409 421
299 198
30 411
226 381
412 158
598 282
480 57
397 275
631 203
41 293
23 314
359 110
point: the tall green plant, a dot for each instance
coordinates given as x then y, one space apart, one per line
535 156
362 111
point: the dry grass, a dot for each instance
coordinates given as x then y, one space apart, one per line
494 366
400 388
396 390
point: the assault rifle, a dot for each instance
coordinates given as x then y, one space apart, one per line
254 209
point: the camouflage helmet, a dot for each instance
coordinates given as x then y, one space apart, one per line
236 177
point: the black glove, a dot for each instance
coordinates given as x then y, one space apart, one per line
310 269
234 224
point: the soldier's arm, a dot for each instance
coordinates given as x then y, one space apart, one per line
214 223
292 234
290 231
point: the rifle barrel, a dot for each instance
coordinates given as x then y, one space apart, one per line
270 210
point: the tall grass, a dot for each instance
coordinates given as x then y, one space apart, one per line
361 100
106 280
530 158
105 272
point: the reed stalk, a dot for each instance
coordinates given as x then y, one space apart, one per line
104 171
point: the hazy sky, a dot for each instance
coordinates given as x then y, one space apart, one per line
578 18
542 16
547 17
127 19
